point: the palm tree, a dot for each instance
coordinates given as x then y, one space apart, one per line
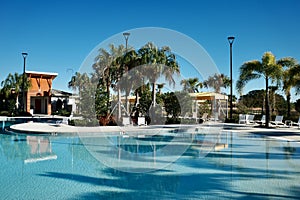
191 84
268 68
107 68
79 82
14 82
158 61
129 78
217 81
289 78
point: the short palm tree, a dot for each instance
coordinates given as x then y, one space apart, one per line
217 81
268 69
289 78
14 82
191 85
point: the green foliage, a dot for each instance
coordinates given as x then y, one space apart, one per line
101 99
5 113
62 112
242 108
191 85
172 106
253 99
205 108
177 103
217 81
85 122
145 100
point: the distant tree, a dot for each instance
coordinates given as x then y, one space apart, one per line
253 99
217 81
191 85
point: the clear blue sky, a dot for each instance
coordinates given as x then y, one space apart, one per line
59 34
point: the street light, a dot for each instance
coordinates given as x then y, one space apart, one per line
230 40
23 87
126 36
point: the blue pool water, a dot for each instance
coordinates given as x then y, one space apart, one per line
244 166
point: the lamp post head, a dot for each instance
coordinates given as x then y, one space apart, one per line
24 54
126 35
230 39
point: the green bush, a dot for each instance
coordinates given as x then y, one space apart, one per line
85 122
62 112
5 113
23 114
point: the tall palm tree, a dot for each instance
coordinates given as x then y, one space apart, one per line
289 78
107 68
217 81
79 82
268 68
158 61
14 82
129 78
191 85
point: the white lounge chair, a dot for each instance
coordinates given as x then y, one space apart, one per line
142 121
126 121
278 121
262 121
204 118
298 123
250 119
246 119
242 119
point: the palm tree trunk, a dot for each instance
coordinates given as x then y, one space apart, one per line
153 95
108 93
267 103
288 99
17 102
127 102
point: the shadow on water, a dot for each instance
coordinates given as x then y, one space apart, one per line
202 178
162 184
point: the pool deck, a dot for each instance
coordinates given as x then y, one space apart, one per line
283 133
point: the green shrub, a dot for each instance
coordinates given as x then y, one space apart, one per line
5 113
85 122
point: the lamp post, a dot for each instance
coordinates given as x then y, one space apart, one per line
126 36
230 40
23 82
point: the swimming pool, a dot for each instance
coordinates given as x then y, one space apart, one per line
242 166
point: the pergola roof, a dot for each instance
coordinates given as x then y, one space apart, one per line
46 75
197 96
208 96
60 93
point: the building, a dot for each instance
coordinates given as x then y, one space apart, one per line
38 97
63 100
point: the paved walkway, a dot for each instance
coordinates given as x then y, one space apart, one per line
290 134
